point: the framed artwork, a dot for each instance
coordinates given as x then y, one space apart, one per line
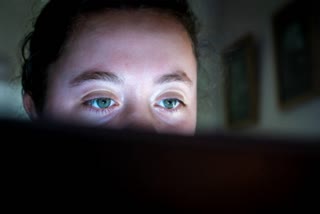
296 45
241 84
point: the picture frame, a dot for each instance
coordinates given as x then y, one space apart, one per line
296 49
239 61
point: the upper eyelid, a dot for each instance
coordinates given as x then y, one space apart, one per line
180 102
170 93
99 94
179 97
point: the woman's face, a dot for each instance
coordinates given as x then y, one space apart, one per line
126 69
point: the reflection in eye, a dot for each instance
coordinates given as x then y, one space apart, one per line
101 103
169 103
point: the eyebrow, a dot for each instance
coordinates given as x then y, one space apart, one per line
178 76
95 75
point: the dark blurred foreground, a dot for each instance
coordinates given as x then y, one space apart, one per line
50 167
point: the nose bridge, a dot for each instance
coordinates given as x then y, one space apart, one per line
139 116
140 119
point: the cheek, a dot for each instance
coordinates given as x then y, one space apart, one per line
186 127
182 124
58 103
189 123
190 120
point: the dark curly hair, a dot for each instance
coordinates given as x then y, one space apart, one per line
58 18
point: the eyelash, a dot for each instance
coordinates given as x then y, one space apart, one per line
175 109
89 105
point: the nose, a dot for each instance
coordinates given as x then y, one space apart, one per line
140 122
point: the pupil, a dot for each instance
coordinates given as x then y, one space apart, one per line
169 104
103 103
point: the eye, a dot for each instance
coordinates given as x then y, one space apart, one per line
169 104
101 103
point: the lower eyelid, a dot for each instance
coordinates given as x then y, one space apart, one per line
100 112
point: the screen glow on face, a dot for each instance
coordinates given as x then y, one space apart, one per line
127 69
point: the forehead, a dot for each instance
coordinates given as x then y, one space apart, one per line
147 19
132 25
130 31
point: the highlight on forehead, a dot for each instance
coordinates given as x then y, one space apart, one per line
138 16
149 17
145 18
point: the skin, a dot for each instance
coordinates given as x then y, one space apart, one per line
125 69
